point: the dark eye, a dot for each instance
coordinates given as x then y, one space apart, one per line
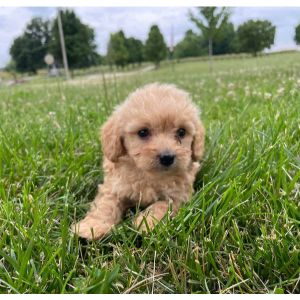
143 133
181 132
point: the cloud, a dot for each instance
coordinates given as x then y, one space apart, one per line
284 18
12 21
136 22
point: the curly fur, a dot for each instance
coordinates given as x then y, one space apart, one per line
133 174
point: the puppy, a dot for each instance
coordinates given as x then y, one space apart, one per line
152 144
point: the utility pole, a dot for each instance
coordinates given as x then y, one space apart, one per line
62 43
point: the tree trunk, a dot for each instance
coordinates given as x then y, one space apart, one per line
210 52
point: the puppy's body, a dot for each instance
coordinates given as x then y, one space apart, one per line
152 144
135 186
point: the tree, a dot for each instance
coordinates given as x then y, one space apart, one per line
255 36
117 52
196 45
297 35
29 49
155 47
135 50
191 46
210 21
226 40
79 41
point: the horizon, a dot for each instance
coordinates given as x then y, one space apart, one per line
106 20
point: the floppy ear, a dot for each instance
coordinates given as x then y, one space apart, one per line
111 140
198 142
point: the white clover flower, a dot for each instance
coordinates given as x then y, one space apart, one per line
296 190
52 113
267 96
230 85
280 91
230 94
273 235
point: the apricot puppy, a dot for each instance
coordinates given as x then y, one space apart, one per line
152 144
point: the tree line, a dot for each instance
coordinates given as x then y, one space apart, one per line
122 51
216 35
42 36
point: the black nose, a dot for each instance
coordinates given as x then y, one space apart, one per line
166 159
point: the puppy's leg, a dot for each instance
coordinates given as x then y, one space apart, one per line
153 214
105 212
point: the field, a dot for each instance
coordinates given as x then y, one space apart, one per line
240 233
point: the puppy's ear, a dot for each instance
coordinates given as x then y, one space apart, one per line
198 142
111 139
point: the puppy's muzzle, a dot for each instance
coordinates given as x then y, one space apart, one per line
166 158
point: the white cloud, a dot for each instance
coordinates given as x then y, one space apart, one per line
12 22
136 22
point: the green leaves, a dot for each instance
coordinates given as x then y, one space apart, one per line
256 35
297 34
79 41
210 20
97 281
155 47
28 50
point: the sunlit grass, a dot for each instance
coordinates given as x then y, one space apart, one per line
238 234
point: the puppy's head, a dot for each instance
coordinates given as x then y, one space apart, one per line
158 127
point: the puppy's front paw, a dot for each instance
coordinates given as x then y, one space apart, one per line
90 229
145 222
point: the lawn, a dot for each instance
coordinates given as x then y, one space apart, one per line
240 233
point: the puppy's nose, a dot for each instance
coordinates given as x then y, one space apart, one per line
166 158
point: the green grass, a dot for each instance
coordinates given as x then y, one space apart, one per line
238 234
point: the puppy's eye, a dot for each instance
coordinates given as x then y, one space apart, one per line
143 133
181 133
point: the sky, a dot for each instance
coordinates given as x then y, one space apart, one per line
136 22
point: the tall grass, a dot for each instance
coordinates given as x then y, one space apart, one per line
238 234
